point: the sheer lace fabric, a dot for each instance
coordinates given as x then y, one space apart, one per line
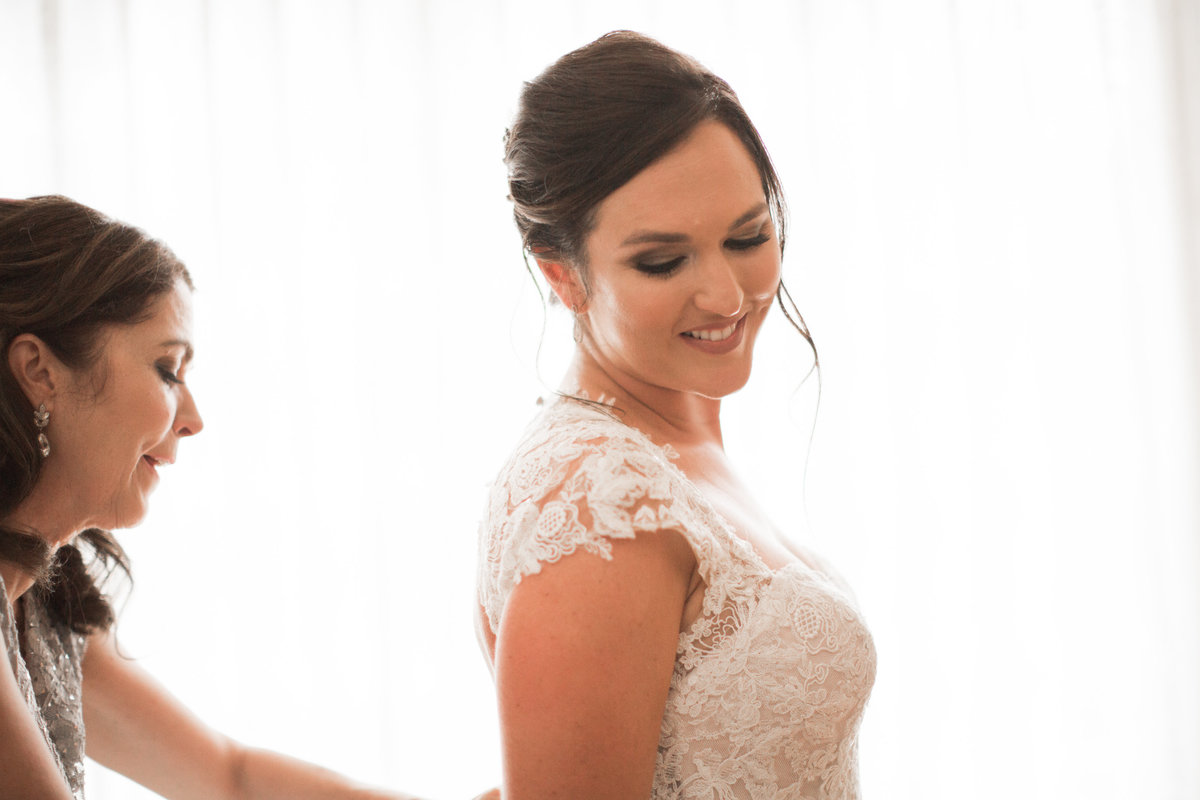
770 681
49 674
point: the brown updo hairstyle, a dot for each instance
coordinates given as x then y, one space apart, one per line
596 118
66 273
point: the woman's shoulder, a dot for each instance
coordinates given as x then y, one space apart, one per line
578 480
583 440
8 623
581 420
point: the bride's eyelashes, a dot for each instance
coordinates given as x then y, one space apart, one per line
664 268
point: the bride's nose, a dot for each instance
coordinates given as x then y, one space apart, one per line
719 290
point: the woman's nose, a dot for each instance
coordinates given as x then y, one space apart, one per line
187 418
720 291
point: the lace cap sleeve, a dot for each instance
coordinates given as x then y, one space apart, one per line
575 483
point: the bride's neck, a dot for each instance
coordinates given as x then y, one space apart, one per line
664 414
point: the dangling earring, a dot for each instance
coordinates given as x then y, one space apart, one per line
41 418
576 333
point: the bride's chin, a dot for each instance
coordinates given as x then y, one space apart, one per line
722 390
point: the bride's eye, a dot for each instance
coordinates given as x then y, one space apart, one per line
661 268
748 243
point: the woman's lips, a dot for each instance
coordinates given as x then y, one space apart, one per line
716 341
152 463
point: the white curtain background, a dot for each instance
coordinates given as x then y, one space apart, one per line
993 238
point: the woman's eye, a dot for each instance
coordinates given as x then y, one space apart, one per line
660 267
168 375
747 244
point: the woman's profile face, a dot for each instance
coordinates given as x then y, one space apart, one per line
122 420
683 264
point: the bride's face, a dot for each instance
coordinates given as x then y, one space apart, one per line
683 264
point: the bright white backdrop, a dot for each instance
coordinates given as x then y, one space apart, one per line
991 212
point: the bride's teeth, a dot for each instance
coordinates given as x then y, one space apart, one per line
712 336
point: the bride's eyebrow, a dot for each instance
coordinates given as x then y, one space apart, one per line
757 211
658 237
662 237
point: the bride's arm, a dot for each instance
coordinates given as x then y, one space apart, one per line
137 728
583 660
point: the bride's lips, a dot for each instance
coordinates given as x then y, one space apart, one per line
719 346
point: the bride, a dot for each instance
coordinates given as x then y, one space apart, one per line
650 633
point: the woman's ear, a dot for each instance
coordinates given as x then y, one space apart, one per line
37 370
565 283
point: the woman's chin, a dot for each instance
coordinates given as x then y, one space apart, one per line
127 515
725 385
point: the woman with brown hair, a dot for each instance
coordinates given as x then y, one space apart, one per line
95 333
650 632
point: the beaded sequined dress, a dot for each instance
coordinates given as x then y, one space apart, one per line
771 680
49 674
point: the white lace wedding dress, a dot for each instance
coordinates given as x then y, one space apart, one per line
770 681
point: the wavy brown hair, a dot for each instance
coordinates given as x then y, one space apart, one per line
66 273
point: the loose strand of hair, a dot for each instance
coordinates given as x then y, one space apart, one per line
796 319
537 356
611 411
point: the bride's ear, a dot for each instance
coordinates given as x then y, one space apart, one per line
564 282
